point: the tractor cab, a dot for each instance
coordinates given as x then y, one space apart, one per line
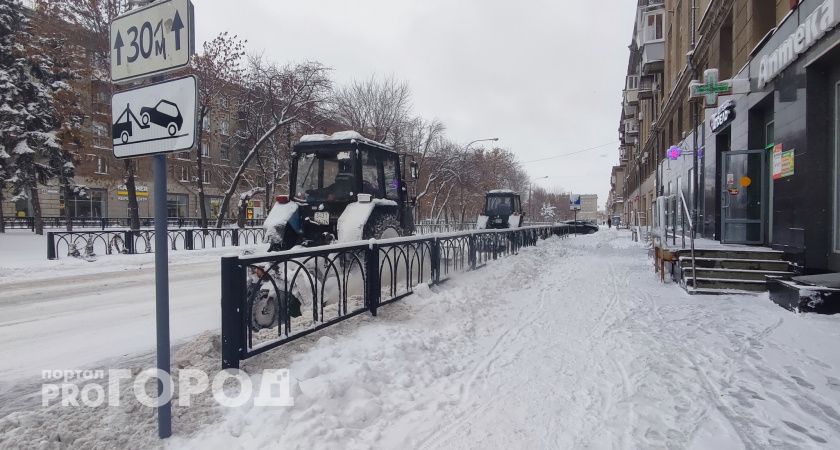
502 209
343 187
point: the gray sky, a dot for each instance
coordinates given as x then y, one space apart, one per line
545 76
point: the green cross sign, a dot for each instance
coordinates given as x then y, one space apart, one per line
710 88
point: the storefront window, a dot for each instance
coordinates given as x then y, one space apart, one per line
91 204
836 168
177 205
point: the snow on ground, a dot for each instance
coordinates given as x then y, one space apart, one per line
570 344
23 258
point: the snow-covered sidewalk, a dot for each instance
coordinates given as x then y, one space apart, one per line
570 344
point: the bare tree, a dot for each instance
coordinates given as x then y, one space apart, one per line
219 71
376 107
272 97
94 18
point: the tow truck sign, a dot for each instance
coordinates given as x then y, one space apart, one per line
156 118
151 40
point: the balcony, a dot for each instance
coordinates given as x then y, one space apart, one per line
653 57
631 126
647 85
629 110
631 96
624 152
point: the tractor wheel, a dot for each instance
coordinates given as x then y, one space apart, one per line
264 311
382 226
289 241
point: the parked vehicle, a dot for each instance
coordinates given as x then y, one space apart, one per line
581 227
343 188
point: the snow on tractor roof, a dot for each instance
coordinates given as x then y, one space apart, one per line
501 191
348 135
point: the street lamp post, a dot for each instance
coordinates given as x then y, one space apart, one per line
479 140
529 193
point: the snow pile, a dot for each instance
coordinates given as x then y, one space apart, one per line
278 218
351 223
571 344
501 191
340 136
514 220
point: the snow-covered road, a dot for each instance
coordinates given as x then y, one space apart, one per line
570 344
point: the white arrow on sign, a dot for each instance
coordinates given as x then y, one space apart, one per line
151 40
156 118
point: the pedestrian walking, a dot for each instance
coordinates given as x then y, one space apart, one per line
609 222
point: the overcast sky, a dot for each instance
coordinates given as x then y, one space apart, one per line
545 76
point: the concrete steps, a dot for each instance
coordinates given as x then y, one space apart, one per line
724 271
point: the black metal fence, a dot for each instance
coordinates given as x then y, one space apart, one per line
92 243
114 222
269 300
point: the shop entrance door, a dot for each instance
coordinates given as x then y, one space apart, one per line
743 197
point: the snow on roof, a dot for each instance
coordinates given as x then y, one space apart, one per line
501 191
341 136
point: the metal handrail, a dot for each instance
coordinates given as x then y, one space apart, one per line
691 237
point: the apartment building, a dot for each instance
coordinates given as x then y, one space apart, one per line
766 145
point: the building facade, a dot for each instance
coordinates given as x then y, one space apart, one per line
767 151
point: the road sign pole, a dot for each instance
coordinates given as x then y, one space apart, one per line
162 294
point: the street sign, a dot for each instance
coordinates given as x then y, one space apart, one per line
155 118
151 40
574 202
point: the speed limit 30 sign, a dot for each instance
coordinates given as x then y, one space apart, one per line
152 40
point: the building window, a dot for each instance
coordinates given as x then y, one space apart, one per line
101 165
205 149
224 152
224 127
632 82
183 155
184 173
91 203
206 177
177 205
99 129
205 123
653 27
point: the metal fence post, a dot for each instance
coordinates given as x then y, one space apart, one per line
128 241
50 245
435 261
234 237
372 277
471 250
188 239
233 309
